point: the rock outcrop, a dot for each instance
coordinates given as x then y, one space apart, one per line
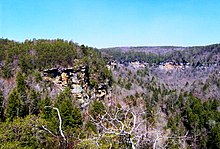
77 79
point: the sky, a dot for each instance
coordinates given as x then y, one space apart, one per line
111 23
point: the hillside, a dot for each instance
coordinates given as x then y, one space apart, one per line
159 50
169 81
36 74
58 94
205 54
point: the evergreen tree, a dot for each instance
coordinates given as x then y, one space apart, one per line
20 83
13 108
22 95
33 102
70 114
47 112
97 108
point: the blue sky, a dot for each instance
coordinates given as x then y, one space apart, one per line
109 23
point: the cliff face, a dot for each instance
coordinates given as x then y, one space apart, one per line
194 55
77 79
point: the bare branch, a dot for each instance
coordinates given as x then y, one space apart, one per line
131 127
48 131
155 141
60 120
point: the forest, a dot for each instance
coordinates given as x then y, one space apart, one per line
198 54
123 106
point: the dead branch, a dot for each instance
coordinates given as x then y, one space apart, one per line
48 131
60 120
129 125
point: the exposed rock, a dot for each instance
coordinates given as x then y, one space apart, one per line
75 89
76 79
168 66
137 64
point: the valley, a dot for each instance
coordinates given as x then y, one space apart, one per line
56 93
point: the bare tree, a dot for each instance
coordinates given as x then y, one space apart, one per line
122 123
130 128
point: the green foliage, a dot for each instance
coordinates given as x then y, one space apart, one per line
93 83
200 119
97 108
21 88
172 144
33 102
25 63
214 140
25 109
172 124
149 111
37 76
13 105
6 72
106 74
20 83
142 72
132 54
155 96
131 100
90 127
40 54
70 113
205 87
25 133
46 112
128 86
17 103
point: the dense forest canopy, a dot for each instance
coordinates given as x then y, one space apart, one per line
41 54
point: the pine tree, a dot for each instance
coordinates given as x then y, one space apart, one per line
33 102
22 95
13 105
47 112
70 114
97 108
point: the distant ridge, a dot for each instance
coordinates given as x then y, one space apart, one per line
147 49
157 49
